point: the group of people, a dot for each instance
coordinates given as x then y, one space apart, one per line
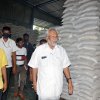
46 65
14 56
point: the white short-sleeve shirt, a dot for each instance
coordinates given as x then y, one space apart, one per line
9 47
50 64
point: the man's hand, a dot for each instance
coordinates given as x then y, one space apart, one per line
4 87
14 70
34 73
25 66
69 80
23 57
34 87
70 87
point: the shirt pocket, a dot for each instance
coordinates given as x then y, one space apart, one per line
44 61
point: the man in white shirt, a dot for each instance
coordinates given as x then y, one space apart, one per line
49 61
9 47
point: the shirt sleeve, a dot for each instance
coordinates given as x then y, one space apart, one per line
34 59
25 52
4 59
14 47
66 61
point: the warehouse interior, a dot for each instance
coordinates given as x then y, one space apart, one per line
78 24
40 9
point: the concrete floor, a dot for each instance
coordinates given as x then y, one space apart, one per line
28 92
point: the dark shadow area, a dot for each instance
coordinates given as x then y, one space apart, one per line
28 91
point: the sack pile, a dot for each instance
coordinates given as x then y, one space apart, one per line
80 36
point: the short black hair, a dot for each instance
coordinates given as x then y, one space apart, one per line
25 35
19 39
42 41
6 28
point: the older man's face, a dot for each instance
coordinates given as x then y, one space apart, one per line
52 37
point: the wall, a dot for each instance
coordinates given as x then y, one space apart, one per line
18 31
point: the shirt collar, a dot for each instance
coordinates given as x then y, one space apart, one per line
47 47
4 41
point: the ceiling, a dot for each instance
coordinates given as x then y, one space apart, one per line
52 8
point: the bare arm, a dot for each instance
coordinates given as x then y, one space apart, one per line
34 73
68 76
14 62
25 63
4 78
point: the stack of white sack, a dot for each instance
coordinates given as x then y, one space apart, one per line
80 36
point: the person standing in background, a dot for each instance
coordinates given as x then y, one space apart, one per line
42 41
30 50
48 62
28 46
9 47
3 76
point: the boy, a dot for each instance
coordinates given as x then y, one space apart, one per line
3 63
21 62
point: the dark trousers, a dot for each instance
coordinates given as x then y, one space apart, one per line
4 95
36 97
0 93
20 82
